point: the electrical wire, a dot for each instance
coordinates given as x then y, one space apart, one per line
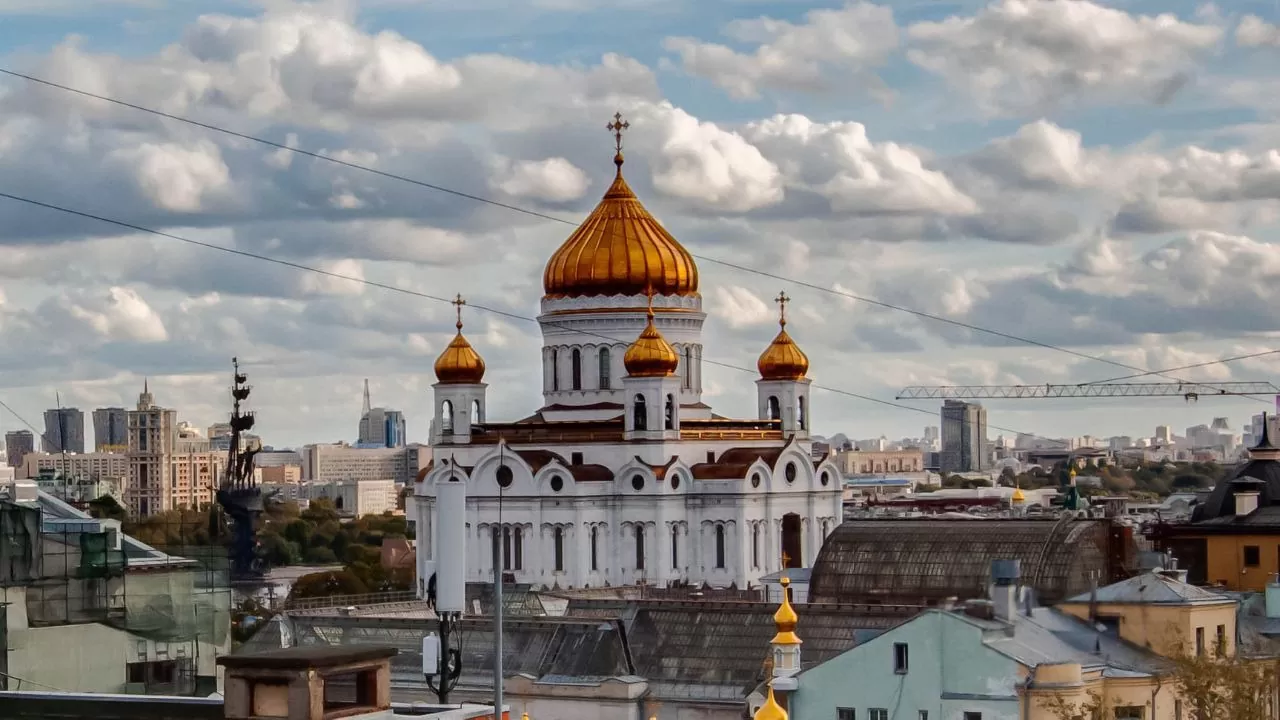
1219 361
435 298
544 216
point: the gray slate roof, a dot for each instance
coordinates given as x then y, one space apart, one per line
1051 636
1153 589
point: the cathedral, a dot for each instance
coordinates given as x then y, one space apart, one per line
625 476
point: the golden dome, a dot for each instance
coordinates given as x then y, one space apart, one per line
1018 496
783 359
785 619
620 249
770 710
459 364
650 355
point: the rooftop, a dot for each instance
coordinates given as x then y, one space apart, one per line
1154 588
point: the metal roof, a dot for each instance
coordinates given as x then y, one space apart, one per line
1152 588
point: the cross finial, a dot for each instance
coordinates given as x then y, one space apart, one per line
616 127
648 291
458 302
782 301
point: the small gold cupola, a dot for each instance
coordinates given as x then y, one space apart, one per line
650 355
783 359
459 364
770 710
785 619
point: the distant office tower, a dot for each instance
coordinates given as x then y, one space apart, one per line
380 427
110 429
153 433
964 437
17 445
63 430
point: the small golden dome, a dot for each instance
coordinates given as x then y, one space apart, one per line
460 364
783 359
1018 496
786 619
650 355
620 249
770 710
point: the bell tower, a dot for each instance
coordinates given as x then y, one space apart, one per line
783 389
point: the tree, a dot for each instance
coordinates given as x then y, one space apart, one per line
1235 687
1090 707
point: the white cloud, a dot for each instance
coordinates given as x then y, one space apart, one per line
1253 31
830 49
1023 56
551 180
118 315
740 307
176 178
700 161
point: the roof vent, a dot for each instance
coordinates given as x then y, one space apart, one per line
1006 572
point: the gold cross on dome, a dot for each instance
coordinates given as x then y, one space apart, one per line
782 301
616 127
458 302
785 559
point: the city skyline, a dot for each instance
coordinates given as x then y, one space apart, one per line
1079 216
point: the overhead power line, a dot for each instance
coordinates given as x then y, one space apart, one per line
545 216
427 296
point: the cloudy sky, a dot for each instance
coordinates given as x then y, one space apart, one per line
1102 176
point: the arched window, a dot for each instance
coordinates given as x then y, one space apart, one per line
640 415
824 528
720 547
519 548
800 419
639 547
555 369
446 416
475 411
688 368
775 410
506 548
595 558
671 413
558 539
755 546
575 365
675 547
605 368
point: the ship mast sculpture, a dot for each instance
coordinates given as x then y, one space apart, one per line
240 497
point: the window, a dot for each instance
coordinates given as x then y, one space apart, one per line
639 547
595 565
575 366
604 368
900 659
519 548
670 421
1199 641
575 458
970 715
1252 556
688 368
446 416
877 714
639 417
506 548
1130 712
555 369
720 547
800 413
711 456
755 546
475 412
558 539
1177 710
844 713
924 715
775 410
675 547
1220 640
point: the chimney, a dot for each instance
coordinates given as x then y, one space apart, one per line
1005 577
1246 501
1273 597
307 683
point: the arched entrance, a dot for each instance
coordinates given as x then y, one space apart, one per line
792 549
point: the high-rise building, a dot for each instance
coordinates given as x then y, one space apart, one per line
63 430
380 427
17 445
110 430
964 437
153 432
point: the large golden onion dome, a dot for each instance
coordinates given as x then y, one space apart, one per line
620 249
786 619
783 359
770 710
650 355
459 364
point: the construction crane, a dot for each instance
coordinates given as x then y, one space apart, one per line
1188 391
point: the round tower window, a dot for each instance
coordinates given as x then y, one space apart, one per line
637 482
557 483
791 472
755 480
675 482
824 479
504 476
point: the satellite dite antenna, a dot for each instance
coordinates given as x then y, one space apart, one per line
441 663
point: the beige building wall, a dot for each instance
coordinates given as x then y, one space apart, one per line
194 478
280 474
1170 630
87 465
876 462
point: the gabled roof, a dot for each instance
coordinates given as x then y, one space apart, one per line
1153 589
